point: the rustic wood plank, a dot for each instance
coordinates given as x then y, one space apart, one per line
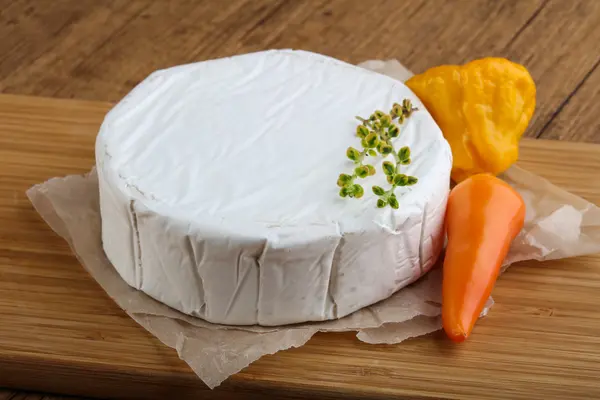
55 322
419 33
30 29
6 395
153 35
74 44
21 395
100 50
90 62
86 29
577 117
560 48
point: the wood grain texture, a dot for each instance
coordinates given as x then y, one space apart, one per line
89 60
559 47
12 395
578 118
60 333
99 50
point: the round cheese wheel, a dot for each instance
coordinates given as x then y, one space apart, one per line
218 190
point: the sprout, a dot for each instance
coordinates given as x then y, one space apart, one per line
386 149
376 134
362 171
344 179
400 180
362 131
404 153
378 190
358 191
371 140
353 154
388 168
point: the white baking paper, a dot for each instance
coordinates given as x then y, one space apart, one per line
558 224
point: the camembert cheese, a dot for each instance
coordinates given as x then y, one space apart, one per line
218 195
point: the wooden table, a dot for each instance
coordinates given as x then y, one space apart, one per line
98 50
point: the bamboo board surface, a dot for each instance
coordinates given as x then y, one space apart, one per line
60 333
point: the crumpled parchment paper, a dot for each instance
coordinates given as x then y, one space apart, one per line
558 224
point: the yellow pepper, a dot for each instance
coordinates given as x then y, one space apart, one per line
482 108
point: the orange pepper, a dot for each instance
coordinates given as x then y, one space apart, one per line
482 108
483 216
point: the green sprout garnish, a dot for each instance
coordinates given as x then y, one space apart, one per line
376 134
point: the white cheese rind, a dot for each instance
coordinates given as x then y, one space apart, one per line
218 197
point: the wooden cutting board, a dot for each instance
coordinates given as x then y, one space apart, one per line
59 332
